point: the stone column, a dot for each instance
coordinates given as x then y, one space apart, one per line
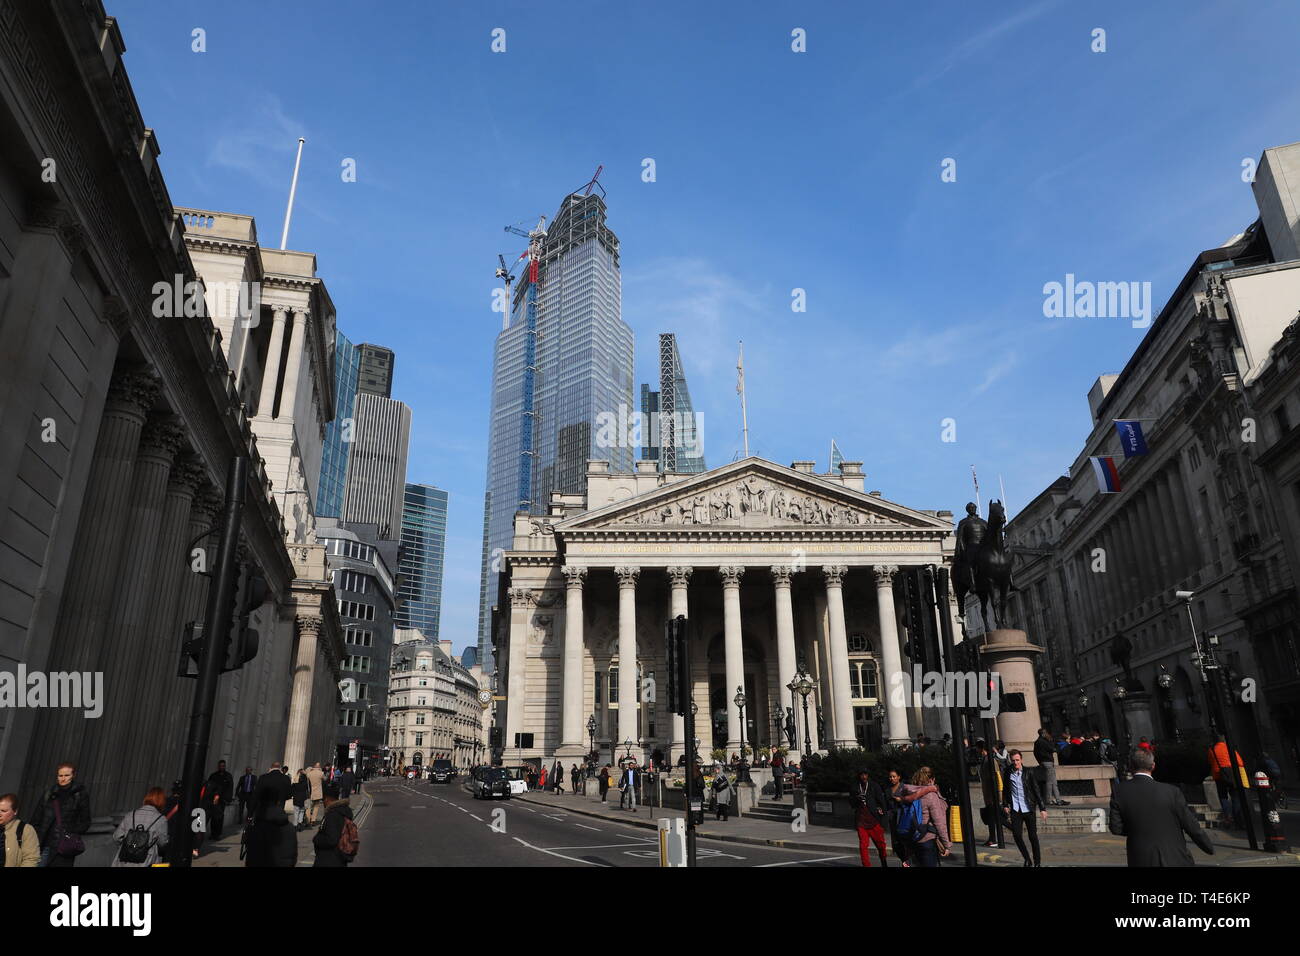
304 676
894 683
787 661
293 369
680 578
571 729
842 701
110 739
271 370
1174 567
735 651
92 581
521 602
627 683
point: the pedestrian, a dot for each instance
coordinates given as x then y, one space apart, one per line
627 787
557 775
894 794
603 783
337 841
20 844
778 775
721 794
1154 818
143 835
868 803
347 782
1045 754
573 778
926 829
1222 769
61 817
272 841
244 792
301 791
1021 799
221 788
315 778
991 790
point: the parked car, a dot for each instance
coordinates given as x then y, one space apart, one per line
492 782
441 771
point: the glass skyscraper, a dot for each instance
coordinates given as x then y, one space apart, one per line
424 541
546 415
334 458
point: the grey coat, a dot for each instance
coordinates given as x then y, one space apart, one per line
148 817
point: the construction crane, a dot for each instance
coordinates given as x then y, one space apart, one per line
503 273
536 238
594 183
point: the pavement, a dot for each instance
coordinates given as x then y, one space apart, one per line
225 852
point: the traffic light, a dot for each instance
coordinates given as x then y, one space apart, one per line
243 644
191 649
495 735
679 681
921 645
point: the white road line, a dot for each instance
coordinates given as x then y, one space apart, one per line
585 827
477 817
604 846
418 806
813 859
561 855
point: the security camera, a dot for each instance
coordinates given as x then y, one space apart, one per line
1184 595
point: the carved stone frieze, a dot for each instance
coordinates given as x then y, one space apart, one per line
752 501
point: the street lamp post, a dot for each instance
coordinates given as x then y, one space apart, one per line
803 686
740 700
591 735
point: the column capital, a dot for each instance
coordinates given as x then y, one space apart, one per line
627 576
278 313
731 575
781 575
574 575
188 474
161 437
680 576
208 502
308 625
301 314
132 389
522 597
834 574
884 574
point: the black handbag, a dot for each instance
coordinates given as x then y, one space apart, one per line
69 844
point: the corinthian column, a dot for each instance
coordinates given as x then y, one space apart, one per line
271 371
521 602
842 703
893 686
304 675
786 661
572 699
627 688
735 651
293 369
680 579
92 580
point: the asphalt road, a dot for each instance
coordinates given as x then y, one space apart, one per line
417 823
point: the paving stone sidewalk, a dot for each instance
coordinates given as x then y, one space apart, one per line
225 852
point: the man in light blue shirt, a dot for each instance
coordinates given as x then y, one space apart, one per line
1021 797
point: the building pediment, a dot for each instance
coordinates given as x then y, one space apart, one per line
753 494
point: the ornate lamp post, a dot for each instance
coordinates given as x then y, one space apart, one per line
803 686
742 772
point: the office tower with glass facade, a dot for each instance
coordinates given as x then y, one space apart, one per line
547 413
424 541
339 431
673 433
376 481
376 373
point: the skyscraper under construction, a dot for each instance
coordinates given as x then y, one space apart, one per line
562 364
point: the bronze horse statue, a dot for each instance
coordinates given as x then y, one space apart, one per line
982 564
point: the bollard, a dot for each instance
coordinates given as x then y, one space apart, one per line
672 841
1274 834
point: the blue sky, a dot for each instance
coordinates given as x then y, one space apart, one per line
775 170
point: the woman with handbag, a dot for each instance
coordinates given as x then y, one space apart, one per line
64 815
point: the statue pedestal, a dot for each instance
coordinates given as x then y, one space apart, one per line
1136 708
1009 654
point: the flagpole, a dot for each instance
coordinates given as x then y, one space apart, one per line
1003 489
975 478
293 188
744 413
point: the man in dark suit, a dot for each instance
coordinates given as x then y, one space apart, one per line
1022 797
220 790
247 783
1154 816
272 841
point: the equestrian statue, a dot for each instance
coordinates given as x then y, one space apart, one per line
982 564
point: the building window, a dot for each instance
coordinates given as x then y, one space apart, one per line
419 740
419 720
862 678
858 644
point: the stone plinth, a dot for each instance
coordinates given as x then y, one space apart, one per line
1009 654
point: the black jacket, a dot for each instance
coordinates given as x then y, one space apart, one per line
272 790
74 805
326 840
301 790
347 783
271 841
1155 816
221 784
1033 792
872 802
1043 751
247 784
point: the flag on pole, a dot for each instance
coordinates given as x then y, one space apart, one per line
740 371
837 459
1131 438
1107 475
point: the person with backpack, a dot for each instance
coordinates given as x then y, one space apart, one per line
924 822
721 794
301 790
602 783
894 796
868 802
63 815
19 844
142 836
337 840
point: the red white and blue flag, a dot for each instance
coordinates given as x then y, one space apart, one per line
1107 475
1131 438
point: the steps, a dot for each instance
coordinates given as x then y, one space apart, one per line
771 809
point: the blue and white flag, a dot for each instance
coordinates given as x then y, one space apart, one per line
1131 438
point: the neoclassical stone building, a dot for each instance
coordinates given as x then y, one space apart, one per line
773 566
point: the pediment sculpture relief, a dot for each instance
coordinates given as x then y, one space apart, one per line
752 500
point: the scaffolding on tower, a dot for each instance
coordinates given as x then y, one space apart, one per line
528 419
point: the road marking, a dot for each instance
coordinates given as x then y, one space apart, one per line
477 817
585 827
418 806
816 859
604 846
562 856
